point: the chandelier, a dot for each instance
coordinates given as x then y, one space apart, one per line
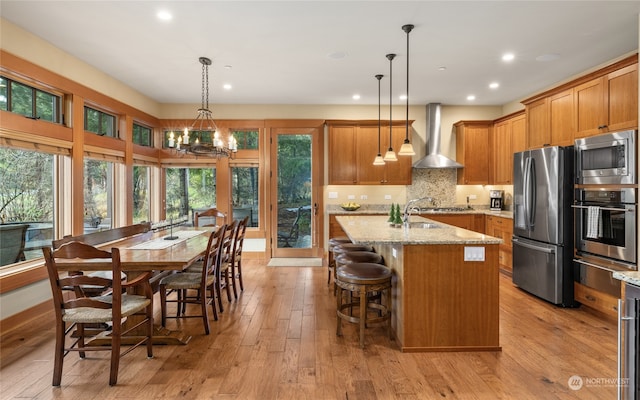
192 139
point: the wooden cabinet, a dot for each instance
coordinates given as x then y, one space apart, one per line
352 147
550 121
507 137
472 151
608 103
502 228
472 222
592 298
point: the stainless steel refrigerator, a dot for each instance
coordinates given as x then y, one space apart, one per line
543 223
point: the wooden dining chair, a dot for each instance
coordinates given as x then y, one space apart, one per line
203 282
236 262
224 272
75 309
207 216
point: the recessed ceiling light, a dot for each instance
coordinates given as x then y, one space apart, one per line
471 97
337 55
494 85
356 97
442 68
227 86
508 57
164 15
228 66
403 97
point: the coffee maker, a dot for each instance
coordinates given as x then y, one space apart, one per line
496 200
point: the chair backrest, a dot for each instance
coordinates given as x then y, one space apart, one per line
228 241
78 250
239 238
213 254
208 216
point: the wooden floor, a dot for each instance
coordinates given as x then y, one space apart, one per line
278 342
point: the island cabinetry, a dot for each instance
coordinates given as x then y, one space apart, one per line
442 302
508 137
354 144
472 151
502 228
471 221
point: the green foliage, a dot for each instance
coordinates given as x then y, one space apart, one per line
294 169
27 186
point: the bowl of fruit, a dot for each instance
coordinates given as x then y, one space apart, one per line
350 206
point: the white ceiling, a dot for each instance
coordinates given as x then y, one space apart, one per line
283 52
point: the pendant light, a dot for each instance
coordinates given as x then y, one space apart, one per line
407 148
378 160
390 155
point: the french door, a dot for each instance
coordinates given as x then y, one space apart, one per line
295 173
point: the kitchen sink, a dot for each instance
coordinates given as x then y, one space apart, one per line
423 225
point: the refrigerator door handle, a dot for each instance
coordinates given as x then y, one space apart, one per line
533 247
532 193
525 192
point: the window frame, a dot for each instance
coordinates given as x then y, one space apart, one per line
101 114
57 114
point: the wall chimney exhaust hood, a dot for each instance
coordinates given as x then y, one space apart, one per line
434 159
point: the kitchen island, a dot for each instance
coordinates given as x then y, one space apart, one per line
445 282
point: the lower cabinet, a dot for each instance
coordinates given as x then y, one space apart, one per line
502 228
472 222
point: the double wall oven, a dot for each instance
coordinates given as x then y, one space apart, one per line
605 203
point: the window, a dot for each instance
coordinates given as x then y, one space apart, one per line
98 195
189 189
29 101
247 140
244 193
26 204
99 122
141 195
142 135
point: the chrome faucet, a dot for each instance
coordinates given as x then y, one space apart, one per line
411 207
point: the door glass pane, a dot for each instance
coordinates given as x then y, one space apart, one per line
294 191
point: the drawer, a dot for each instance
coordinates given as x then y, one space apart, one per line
592 298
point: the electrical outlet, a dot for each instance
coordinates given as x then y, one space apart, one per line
472 197
333 195
363 197
473 253
387 197
351 197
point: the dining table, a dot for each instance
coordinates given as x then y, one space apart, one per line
151 251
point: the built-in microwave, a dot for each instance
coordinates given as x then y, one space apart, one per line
609 158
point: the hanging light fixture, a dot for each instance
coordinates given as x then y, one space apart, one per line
203 123
378 160
407 148
390 155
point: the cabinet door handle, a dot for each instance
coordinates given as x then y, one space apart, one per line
590 297
602 126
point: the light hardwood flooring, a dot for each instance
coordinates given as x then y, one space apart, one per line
278 341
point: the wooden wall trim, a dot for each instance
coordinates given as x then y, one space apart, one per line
22 277
42 310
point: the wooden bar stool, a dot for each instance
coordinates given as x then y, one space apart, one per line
333 242
363 279
343 248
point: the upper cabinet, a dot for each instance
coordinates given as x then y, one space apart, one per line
354 144
608 103
507 137
603 101
472 151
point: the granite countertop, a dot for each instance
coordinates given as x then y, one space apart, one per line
384 210
631 277
375 229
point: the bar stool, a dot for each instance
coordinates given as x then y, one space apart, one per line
333 242
343 248
363 278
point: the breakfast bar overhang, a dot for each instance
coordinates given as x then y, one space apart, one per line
445 282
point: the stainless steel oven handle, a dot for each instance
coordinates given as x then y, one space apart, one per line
605 208
533 247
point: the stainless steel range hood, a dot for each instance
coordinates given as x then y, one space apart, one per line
434 159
